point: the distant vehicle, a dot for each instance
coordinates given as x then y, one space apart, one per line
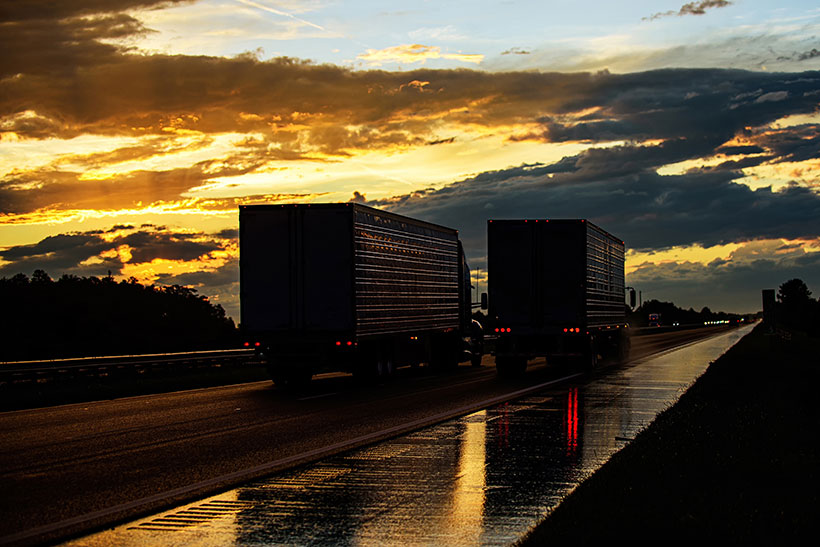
654 320
556 289
351 288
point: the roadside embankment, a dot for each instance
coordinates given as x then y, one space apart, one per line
735 460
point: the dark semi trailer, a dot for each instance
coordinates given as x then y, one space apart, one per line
346 287
556 290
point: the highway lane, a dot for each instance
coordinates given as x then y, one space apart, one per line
64 462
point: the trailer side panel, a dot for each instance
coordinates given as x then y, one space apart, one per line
406 275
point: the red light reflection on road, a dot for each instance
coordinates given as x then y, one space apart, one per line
572 422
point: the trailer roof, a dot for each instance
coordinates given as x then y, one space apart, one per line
355 206
555 220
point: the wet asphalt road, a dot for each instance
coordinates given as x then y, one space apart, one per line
65 462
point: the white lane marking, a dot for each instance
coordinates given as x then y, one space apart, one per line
320 396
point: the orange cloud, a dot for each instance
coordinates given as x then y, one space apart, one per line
414 53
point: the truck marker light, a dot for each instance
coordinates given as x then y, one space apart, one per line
247 344
257 344
349 343
509 329
496 329
338 343
565 329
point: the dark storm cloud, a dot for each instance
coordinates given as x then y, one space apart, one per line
229 233
735 150
730 282
73 247
149 246
792 144
15 10
226 275
73 253
648 210
48 37
681 103
59 254
692 8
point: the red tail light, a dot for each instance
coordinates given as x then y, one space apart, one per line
338 342
349 343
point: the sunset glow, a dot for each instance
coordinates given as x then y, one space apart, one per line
130 132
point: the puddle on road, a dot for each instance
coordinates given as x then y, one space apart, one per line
483 479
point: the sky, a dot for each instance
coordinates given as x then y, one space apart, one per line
131 131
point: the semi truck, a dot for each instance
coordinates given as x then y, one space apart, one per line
556 290
346 287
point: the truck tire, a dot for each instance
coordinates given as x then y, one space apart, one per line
624 347
385 367
589 358
475 360
375 366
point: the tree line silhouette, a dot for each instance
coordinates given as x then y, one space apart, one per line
796 308
90 316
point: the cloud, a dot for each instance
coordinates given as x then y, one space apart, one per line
731 284
414 53
692 8
628 198
516 51
97 252
808 54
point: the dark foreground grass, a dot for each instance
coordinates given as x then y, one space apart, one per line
734 461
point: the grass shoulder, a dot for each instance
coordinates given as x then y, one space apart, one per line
734 460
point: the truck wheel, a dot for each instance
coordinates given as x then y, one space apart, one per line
624 347
589 359
385 367
374 367
476 359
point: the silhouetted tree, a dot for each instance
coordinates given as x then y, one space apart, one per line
796 306
793 292
83 316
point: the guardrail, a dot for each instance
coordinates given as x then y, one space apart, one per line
45 370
